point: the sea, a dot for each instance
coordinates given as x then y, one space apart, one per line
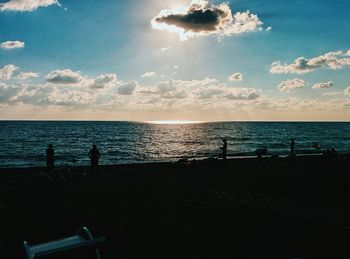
23 143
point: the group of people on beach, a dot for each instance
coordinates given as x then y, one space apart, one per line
94 155
259 152
331 153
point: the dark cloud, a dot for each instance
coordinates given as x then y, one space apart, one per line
197 19
201 19
65 76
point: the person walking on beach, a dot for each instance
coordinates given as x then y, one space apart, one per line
94 155
50 161
292 144
224 149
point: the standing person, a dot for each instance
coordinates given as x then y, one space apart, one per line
50 160
224 149
94 155
292 144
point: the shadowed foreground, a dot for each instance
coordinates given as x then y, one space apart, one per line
245 208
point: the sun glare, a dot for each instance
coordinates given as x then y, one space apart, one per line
173 122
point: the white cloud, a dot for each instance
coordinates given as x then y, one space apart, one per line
65 76
347 91
26 5
291 84
103 81
7 92
239 93
70 97
26 75
236 77
7 71
332 60
331 93
148 74
12 44
164 49
323 85
200 18
127 88
200 90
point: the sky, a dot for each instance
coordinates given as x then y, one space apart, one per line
198 60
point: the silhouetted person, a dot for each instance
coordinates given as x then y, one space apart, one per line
331 153
94 155
334 153
224 149
292 144
261 151
50 160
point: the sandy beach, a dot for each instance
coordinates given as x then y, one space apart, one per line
244 208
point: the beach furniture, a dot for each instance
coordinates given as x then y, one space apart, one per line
82 240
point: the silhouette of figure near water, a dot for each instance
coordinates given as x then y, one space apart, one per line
94 155
50 160
261 151
292 144
331 153
224 149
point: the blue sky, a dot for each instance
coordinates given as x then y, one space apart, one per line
185 78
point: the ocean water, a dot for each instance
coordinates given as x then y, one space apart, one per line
23 143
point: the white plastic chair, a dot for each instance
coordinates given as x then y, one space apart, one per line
82 239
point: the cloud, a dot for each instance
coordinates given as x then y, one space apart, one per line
200 18
104 81
347 91
200 90
236 77
12 44
7 92
26 75
127 88
242 94
7 71
148 74
65 76
69 97
26 5
332 60
291 84
323 85
330 93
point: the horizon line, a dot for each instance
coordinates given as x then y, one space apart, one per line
169 121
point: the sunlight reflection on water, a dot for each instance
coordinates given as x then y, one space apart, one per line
24 143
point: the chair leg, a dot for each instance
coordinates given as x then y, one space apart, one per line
27 250
88 234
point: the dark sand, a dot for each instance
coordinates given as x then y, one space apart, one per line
246 208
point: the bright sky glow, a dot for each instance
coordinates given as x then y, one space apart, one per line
175 61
